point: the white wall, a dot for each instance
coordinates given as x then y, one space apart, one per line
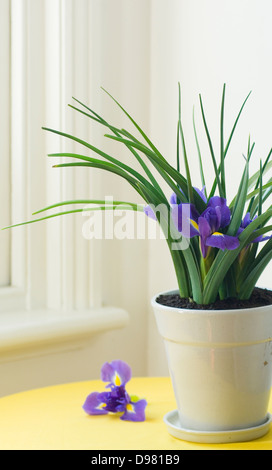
203 44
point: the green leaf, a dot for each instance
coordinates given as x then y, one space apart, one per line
101 165
235 124
152 146
254 201
117 132
228 143
256 269
178 165
261 189
257 191
267 191
211 150
222 152
254 178
240 201
186 163
199 157
96 150
97 202
73 211
166 169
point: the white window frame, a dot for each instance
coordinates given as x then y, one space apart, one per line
5 141
53 269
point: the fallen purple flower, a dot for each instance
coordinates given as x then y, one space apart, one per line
117 373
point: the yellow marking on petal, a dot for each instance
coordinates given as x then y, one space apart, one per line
117 380
194 224
130 407
217 234
101 405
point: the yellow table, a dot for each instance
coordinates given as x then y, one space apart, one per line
52 418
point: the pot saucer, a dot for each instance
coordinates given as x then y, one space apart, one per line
171 420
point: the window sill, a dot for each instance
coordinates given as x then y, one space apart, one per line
29 329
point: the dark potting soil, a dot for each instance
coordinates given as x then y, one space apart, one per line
259 298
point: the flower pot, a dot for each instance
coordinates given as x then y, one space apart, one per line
220 363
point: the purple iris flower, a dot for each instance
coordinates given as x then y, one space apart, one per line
117 373
216 217
245 222
173 200
102 403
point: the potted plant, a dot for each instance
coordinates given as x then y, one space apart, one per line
217 326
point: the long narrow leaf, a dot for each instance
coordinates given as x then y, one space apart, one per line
222 153
235 123
261 189
253 199
229 141
117 132
96 150
262 260
178 160
96 202
100 164
211 150
257 191
152 146
186 163
265 195
171 171
238 210
73 211
116 162
199 157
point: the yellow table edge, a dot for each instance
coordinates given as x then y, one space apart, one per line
52 418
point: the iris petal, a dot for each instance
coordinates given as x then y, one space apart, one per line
149 212
224 242
201 193
205 231
245 222
95 404
135 411
117 373
225 213
213 218
185 219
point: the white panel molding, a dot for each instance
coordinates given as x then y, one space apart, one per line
5 141
54 269
76 273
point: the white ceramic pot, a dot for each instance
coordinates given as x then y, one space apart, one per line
220 363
